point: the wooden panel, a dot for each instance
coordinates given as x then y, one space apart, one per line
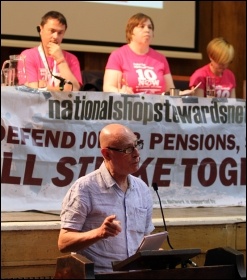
203 237
33 253
25 272
94 61
207 237
244 89
29 247
29 253
241 239
229 21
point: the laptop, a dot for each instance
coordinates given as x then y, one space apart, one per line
152 241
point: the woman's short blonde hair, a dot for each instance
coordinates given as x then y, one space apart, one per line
134 21
220 51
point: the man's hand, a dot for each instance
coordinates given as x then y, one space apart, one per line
110 227
55 51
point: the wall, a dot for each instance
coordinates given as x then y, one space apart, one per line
216 18
29 239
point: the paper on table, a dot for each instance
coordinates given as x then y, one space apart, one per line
189 91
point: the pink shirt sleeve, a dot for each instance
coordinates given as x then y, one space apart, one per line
74 65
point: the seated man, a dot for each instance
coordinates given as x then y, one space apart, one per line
49 55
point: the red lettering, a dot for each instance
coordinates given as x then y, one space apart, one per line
160 171
6 170
28 179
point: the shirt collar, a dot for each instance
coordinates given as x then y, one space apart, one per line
109 181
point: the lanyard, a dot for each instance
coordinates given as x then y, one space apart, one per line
52 80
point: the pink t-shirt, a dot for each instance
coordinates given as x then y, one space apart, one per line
33 62
144 73
223 85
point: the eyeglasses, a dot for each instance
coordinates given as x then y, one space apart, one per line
139 145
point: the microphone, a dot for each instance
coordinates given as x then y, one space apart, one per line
189 261
62 80
155 187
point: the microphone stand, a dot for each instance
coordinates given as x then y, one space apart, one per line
184 263
155 187
62 80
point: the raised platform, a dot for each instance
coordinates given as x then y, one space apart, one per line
29 239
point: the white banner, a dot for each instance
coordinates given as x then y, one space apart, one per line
194 148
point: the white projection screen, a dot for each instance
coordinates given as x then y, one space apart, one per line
100 25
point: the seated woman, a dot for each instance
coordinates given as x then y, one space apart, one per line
220 54
136 67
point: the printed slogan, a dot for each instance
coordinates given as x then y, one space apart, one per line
194 148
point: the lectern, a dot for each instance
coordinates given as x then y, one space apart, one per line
221 263
158 259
